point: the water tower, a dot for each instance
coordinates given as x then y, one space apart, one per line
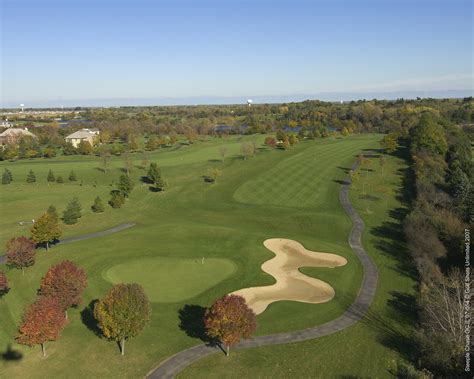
249 102
22 107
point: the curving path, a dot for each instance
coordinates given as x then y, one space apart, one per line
83 237
353 314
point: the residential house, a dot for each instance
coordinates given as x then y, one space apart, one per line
83 135
13 135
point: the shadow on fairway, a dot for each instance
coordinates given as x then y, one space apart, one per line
145 179
11 355
191 321
88 319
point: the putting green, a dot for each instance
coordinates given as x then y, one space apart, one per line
169 280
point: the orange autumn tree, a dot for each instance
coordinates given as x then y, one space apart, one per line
42 321
65 282
21 253
229 320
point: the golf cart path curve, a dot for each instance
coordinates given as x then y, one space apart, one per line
173 365
87 236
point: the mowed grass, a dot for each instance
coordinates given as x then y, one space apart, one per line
170 280
371 348
300 181
191 220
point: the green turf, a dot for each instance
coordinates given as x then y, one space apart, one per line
371 348
169 280
191 220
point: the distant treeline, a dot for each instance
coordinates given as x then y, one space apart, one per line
358 116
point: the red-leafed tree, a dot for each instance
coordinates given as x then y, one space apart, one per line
21 253
229 320
270 141
3 284
42 321
65 282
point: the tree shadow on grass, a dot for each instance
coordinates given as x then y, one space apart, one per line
145 179
345 169
369 197
11 354
389 331
191 321
88 319
391 242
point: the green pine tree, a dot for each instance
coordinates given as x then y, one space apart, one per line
59 179
53 212
72 177
31 178
125 185
6 177
72 212
51 177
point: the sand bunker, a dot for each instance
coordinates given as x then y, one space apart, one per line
291 284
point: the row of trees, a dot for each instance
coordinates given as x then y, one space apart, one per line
441 212
7 177
60 289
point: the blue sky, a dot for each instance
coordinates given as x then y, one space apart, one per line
76 51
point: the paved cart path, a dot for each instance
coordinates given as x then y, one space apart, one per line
83 237
173 365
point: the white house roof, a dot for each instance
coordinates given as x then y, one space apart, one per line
81 134
15 132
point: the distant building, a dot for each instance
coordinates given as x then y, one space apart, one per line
83 135
5 124
12 135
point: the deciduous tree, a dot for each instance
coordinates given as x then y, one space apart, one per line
123 312
21 253
389 143
3 284
45 230
214 173
66 282
247 150
42 321
229 320
98 206
270 141
223 150
104 158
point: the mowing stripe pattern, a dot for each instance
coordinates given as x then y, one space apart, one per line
173 365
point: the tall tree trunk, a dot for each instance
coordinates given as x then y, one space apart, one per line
65 314
43 349
122 346
47 245
227 348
